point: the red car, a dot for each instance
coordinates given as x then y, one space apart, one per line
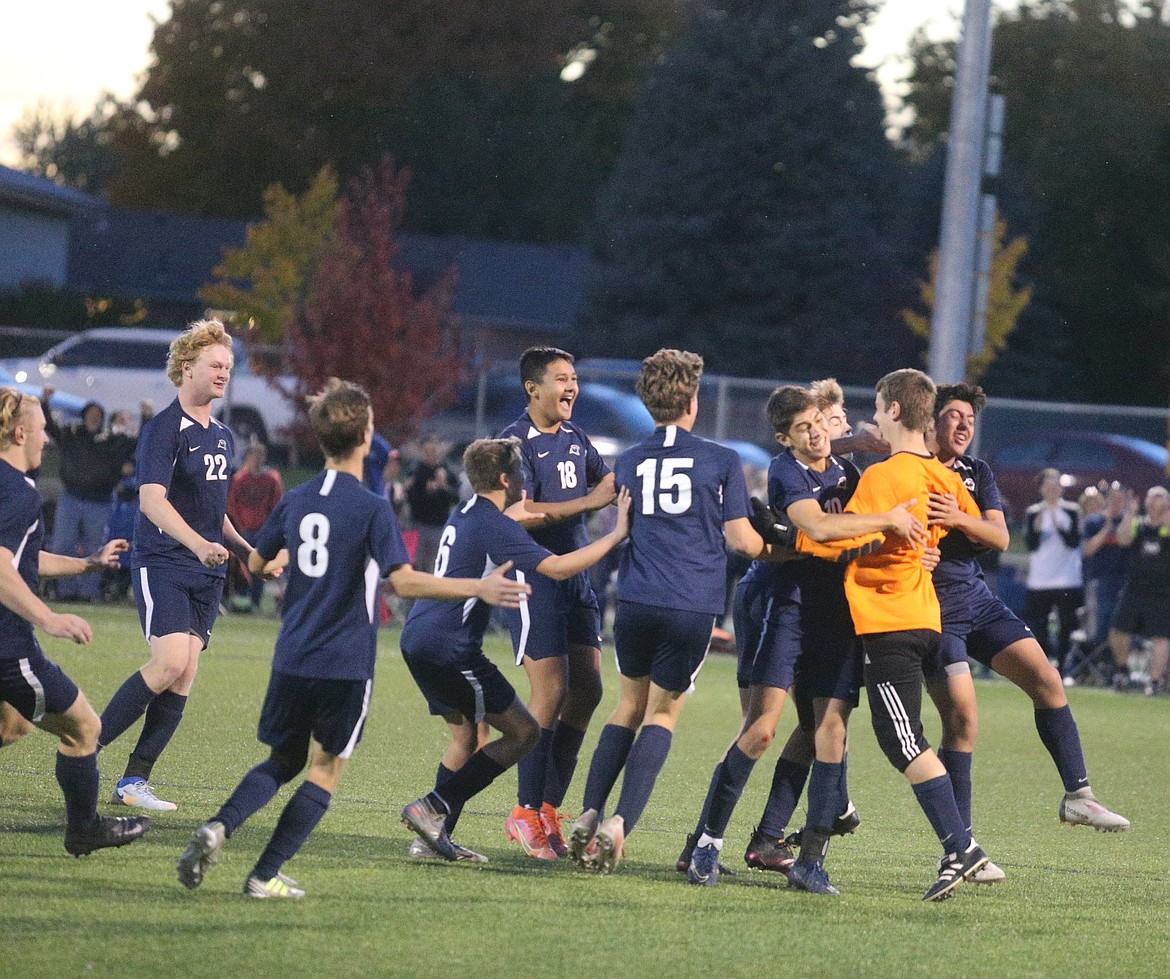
1083 458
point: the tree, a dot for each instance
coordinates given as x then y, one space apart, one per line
1005 302
750 216
245 93
76 153
362 320
266 282
1087 182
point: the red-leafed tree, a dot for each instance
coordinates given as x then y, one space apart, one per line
364 321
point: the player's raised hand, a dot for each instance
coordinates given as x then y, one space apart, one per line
211 555
905 524
496 589
519 512
942 510
65 626
623 500
107 557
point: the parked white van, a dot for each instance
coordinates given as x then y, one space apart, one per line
121 366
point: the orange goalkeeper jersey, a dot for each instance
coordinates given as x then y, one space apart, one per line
890 590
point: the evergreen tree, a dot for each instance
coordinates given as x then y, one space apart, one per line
748 217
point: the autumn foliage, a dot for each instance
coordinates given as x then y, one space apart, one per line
363 320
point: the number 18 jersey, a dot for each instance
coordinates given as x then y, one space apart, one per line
341 539
684 488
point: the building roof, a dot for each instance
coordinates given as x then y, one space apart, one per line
163 256
39 194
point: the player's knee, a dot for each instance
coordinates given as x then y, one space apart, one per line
585 694
895 712
284 764
525 734
756 739
13 728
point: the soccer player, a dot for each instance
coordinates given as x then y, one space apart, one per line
978 625
338 539
691 505
807 635
556 634
34 691
896 613
180 558
442 642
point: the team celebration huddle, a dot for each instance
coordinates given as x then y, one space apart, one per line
857 580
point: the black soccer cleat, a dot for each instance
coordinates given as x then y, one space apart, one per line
108 831
953 869
684 859
765 853
843 825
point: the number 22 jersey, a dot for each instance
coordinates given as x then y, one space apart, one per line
194 465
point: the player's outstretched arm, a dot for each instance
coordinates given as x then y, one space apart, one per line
16 595
989 529
562 566
63 566
824 527
495 589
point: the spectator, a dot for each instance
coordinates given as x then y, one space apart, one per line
1144 606
255 490
431 491
1052 532
115 581
91 466
1107 536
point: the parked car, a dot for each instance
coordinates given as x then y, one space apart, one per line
66 407
121 366
1083 458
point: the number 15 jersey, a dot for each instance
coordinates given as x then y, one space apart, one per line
684 489
341 539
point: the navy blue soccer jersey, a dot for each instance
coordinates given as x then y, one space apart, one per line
558 467
341 540
958 551
477 539
22 530
684 489
790 481
194 465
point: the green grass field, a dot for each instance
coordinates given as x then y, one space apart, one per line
1074 901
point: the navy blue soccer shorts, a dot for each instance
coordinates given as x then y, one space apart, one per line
766 646
171 601
975 625
557 614
667 644
332 712
35 685
830 663
472 686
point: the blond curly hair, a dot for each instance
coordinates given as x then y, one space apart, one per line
188 345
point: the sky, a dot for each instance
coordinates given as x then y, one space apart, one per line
65 53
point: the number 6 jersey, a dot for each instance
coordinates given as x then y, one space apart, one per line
194 465
341 540
684 489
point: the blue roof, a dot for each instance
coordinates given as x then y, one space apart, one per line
158 255
38 193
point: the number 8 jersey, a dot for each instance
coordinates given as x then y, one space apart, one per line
684 489
341 540
194 465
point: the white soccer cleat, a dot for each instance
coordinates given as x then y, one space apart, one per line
1085 810
135 792
201 853
279 886
989 873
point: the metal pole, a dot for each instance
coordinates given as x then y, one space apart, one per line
950 323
